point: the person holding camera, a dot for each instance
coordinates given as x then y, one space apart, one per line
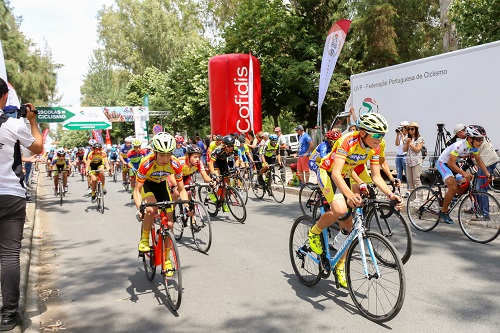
412 146
13 133
401 133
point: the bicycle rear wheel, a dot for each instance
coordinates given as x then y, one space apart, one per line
393 226
178 223
482 223
423 208
378 297
277 188
148 259
257 188
307 198
204 194
173 278
201 228
239 183
236 204
307 270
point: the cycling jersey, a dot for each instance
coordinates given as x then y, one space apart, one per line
323 149
149 170
268 150
189 170
135 157
61 163
460 148
113 156
50 156
124 150
79 155
220 154
361 169
96 157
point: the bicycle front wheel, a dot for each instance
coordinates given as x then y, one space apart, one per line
178 223
391 224
257 188
277 188
307 270
204 194
379 297
172 278
201 228
479 217
307 198
100 199
236 205
148 259
240 185
61 191
423 208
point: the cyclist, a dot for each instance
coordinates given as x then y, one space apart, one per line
49 156
218 162
268 154
123 155
90 148
447 167
97 160
244 154
79 158
113 160
60 163
323 149
152 186
352 149
134 157
213 145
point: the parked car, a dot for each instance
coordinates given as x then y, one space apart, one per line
292 143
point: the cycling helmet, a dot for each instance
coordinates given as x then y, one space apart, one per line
372 122
333 135
475 131
52 149
81 148
228 140
273 137
179 139
136 142
218 137
163 143
61 152
237 143
193 150
113 149
91 142
128 140
115 146
97 145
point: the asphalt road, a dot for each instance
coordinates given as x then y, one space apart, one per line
89 278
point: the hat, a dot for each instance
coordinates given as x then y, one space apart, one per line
404 123
458 128
413 124
299 128
277 129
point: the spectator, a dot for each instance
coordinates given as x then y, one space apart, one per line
459 133
401 133
282 152
413 146
305 148
13 204
352 127
203 148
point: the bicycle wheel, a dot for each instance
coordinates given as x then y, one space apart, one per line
239 184
114 173
178 223
173 283
391 224
423 208
257 188
148 259
201 228
378 297
61 191
204 193
100 199
277 188
307 270
320 203
483 224
307 198
236 204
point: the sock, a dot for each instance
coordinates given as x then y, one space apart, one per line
340 265
145 234
316 230
93 194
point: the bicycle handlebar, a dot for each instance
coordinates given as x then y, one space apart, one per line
368 202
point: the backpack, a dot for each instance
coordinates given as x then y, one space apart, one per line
424 152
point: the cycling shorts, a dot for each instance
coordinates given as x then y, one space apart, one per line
362 172
270 160
328 187
444 170
160 191
57 169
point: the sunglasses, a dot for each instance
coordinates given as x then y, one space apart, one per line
376 136
479 139
229 146
411 128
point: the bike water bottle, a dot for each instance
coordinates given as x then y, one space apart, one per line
339 239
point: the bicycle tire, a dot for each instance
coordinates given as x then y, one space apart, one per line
173 284
239 184
61 190
257 188
178 227
277 188
100 199
423 208
400 233
233 201
307 271
148 258
203 193
307 198
316 214
474 225
391 284
201 228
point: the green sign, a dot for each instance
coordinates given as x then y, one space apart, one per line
53 114
87 125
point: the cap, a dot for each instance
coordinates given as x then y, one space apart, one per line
277 129
413 124
458 128
299 128
404 123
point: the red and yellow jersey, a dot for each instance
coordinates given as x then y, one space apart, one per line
350 148
96 157
189 170
151 171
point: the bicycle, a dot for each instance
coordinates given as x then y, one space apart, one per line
309 195
60 185
161 239
201 228
380 214
273 185
114 171
237 181
232 198
425 203
81 168
98 191
372 266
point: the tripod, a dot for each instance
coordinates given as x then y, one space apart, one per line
442 135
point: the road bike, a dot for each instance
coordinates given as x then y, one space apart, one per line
163 247
61 193
99 194
114 171
212 198
199 223
373 267
273 185
478 211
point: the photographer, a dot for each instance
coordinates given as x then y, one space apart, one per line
459 132
413 147
13 133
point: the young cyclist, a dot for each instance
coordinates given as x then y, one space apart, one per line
97 160
268 155
323 149
152 186
89 149
113 160
352 149
123 156
60 163
134 157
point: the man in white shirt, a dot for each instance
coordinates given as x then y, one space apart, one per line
13 133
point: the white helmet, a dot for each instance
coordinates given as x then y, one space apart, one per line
163 143
373 123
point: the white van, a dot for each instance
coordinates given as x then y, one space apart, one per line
292 143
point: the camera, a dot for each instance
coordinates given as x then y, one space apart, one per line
22 112
398 130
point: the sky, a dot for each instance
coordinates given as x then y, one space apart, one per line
70 29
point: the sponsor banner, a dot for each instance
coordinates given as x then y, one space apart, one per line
108 137
141 117
119 113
